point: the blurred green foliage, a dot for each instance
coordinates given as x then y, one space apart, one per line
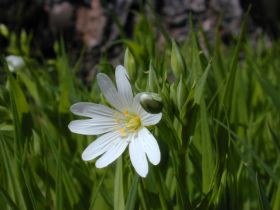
219 136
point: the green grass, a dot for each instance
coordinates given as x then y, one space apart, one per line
219 135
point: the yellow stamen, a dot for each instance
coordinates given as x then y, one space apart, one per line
130 122
134 122
122 132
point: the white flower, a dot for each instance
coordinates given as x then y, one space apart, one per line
14 62
121 127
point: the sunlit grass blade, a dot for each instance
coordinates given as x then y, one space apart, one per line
276 201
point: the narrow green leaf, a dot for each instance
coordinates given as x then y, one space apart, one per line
132 194
275 138
11 169
201 84
8 199
276 201
263 201
71 191
65 77
207 153
18 97
231 76
31 87
118 186
96 193
270 91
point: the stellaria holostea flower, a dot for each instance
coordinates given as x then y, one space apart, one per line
121 126
14 62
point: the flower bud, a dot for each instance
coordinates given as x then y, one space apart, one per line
178 64
152 83
129 63
4 31
14 62
181 93
151 102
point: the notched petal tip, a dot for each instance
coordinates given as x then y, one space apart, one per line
122 69
138 158
111 154
104 82
142 174
86 156
100 76
77 107
98 165
150 146
72 127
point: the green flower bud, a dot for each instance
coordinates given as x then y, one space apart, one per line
181 93
14 62
151 102
129 64
4 31
152 83
178 64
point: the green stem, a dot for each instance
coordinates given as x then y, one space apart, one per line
118 187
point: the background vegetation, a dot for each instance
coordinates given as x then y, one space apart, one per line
219 136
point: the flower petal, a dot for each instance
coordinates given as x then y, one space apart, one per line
109 91
136 104
150 146
96 126
150 119
112 154
100 145
92 110
138 157
123 85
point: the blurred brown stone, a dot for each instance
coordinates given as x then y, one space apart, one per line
90 24
60 16
98 24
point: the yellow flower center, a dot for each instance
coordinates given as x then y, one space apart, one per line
130 123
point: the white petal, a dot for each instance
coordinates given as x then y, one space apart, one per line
100 145
137 106
150 146
14 62
96 126
113 153
150 119
138 157
109 91
92 110
123 85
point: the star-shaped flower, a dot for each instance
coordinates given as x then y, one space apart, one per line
14 62
123 126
